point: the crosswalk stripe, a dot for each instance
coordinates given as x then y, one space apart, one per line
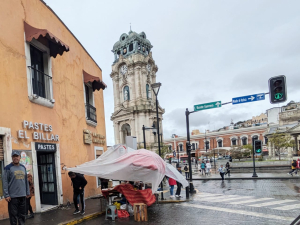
272 203
208 198
249 201
288 207
230 199
237 211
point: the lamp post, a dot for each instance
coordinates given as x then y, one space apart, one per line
144 137
155 87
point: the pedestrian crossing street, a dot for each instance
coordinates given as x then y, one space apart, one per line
251 201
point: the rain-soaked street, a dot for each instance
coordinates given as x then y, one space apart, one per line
230 202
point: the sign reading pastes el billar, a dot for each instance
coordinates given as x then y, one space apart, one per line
41 132
45 147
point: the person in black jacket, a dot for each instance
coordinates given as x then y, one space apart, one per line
79 182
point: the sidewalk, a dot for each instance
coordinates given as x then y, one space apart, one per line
244 176
64 215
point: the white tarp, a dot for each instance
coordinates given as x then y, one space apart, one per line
122 163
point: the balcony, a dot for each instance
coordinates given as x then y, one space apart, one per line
91 113
41 84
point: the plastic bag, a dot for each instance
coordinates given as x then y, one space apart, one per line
123 214
117 205
130 210
123 206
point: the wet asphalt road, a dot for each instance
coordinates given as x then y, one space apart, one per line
229 202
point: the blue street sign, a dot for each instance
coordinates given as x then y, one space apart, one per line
248 98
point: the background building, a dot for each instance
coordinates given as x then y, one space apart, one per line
51 101
133 72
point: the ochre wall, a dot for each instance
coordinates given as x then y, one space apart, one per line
67 117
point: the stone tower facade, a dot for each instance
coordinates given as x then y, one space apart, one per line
133 72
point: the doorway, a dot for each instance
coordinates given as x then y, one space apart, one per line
47 178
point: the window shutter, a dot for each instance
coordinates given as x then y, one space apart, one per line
1 149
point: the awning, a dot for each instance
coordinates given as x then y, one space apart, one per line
96 82
55 45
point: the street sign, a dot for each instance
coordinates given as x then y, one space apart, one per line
248 98
209 105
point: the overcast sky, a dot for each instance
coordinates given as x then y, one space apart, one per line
205 51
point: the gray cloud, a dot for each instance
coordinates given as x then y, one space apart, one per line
205 50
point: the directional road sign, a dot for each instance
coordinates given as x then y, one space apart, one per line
248 98
209 105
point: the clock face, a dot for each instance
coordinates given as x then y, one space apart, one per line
124 69
149 67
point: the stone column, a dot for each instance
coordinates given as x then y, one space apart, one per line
117 134
116 93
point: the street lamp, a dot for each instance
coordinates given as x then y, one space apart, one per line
155 87
147 128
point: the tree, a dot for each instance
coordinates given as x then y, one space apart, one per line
280 141
239 151
164 149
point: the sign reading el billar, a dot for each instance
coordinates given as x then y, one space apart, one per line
41 132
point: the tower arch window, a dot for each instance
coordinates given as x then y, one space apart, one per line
148 91
244 141
130 47
126 131
126 93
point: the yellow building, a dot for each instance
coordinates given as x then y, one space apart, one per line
51 101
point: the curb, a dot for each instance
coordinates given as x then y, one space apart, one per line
79 220
170 201
250 178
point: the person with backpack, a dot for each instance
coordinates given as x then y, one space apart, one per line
294 165
187 172
79 182
203 167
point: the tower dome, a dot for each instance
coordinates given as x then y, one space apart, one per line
131 43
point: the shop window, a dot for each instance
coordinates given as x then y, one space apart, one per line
206 145
193 146
220 143
233 141
89 104
244 141
181 147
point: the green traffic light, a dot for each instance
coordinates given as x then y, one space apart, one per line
258 150
278 95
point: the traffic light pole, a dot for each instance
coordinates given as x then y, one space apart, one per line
254 173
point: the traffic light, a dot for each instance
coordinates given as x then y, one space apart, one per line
277 89
258 146
189 147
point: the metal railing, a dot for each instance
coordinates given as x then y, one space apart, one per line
91 113
40 83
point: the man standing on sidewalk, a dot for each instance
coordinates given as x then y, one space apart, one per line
79 182
16 189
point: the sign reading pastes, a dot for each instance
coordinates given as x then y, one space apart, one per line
45 147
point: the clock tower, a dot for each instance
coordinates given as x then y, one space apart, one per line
133 72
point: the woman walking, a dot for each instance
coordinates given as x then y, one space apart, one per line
208 167
227 166
294 165
172 182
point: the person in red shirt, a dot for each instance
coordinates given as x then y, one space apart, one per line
172 182
298 166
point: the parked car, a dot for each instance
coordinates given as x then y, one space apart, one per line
226 157
174 160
